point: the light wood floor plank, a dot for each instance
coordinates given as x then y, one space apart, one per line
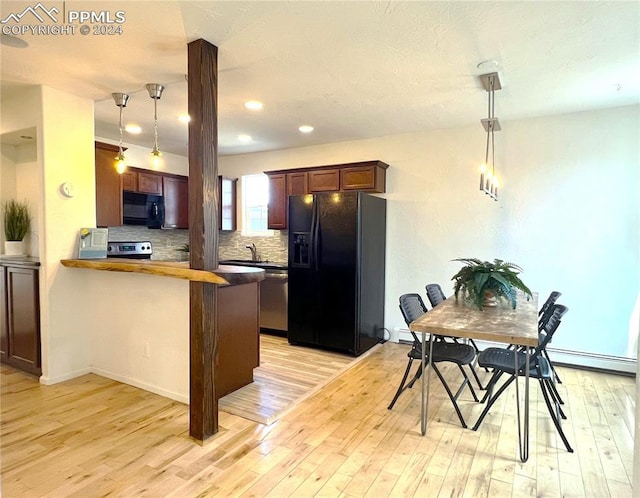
92 437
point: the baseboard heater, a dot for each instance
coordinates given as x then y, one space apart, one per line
580 359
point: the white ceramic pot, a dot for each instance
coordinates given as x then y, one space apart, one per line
14 248
490 299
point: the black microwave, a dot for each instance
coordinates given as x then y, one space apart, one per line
142 209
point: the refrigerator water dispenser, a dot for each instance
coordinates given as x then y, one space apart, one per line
300 256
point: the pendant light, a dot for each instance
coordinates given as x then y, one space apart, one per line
488 178
121 100
155 92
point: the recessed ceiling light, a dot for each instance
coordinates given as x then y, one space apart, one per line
490 65
305 129
134 129
253 105
244 138
185 118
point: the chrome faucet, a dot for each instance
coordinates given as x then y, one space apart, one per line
254 252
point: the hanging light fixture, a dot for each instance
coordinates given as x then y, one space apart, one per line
155 92
488 178
121 100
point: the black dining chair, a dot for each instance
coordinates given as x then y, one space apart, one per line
543 316
412 307
502 361
545 310
436 296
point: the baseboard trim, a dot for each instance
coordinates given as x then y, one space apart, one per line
140 384
579 359
49 381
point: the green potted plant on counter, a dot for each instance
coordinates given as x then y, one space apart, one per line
483 282
183 252
17 222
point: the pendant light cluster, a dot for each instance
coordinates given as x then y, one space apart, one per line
488 178
121 99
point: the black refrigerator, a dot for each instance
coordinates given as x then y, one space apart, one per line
337 270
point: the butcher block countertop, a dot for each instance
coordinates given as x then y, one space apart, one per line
223 275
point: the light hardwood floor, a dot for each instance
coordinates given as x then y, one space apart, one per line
94 437
287 374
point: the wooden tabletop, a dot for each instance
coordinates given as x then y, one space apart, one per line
223 275
498 324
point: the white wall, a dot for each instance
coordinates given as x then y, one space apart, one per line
66 148
18 180
140 157
140 330
21 111
572 209
8 158
581 167
636 438
27 188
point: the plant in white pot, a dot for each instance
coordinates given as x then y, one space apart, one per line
483 282
17 222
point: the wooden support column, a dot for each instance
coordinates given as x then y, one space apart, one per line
203 235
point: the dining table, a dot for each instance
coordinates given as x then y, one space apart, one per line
456 317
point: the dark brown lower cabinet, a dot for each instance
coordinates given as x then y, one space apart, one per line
238 336
20 318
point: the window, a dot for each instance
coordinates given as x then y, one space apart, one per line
255 198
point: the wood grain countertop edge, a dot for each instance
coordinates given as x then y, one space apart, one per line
223 275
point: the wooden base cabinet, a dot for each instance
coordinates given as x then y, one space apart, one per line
238 336
20 318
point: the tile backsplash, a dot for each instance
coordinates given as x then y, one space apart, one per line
231 244
165 243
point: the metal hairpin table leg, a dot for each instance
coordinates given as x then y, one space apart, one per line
426 379
523 432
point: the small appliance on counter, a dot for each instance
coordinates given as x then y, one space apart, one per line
131 250
92 243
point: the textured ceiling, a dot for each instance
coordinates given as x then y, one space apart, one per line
351 69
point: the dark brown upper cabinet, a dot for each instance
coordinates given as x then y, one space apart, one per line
176 201
227 206
367 176
108 189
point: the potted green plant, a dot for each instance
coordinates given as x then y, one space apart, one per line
183 250
483 282
17 222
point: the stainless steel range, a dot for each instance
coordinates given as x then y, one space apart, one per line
132 250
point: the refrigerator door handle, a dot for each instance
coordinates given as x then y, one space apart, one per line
312 237
315 228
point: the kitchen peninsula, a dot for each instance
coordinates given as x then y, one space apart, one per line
143 337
